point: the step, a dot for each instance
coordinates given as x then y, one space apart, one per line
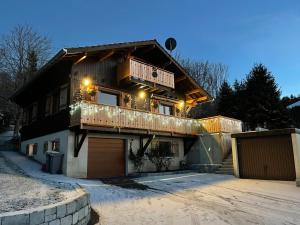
227 159
227 163
225 173
224 170
226 167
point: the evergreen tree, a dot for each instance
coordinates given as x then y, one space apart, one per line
262 100
225 100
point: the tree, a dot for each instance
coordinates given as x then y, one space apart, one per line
22 52
208 75
225 100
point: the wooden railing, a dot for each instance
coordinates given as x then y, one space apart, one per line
117 117
143 71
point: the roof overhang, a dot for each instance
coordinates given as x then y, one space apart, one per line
194 92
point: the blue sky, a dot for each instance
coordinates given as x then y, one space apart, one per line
234 32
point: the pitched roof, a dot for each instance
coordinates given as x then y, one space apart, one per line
295 104
73 51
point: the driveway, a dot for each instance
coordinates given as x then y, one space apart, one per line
195 198
190 198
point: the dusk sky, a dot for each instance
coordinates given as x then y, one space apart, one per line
231 32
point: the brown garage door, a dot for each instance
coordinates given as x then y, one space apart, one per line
105 158
269 157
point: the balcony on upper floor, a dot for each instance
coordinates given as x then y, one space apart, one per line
136 71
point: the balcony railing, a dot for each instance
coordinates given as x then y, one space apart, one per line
143 71
86 113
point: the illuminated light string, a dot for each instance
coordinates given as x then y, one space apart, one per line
87 109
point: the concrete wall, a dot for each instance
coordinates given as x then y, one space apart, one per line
210 149
296 150
77 166
63 137
150 167
75 211
295 136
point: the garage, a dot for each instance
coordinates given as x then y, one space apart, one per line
106 157
267 155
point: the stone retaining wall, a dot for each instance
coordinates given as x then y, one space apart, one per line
75 211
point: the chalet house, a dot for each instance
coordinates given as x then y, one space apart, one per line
94 104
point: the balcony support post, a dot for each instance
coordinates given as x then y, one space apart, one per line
188 144
144 147
78 144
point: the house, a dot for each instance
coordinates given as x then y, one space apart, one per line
94 104
295 113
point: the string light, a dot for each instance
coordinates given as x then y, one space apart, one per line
113 116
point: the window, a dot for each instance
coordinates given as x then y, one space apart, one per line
55 102
48 108
34 111
47 144
165 109
55 145
166 148
63 97
107 98
35 149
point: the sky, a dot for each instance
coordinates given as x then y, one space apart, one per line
233 32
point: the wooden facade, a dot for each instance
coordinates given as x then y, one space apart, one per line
117 117
134 68
123 70
218 124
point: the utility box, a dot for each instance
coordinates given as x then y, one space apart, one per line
54 162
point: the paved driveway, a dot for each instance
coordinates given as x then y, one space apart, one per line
197 199
184 199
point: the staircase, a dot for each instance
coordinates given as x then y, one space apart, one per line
227 166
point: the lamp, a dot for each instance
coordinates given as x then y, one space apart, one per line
86 82
142 94
180 104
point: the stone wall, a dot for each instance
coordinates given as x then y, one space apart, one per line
75 211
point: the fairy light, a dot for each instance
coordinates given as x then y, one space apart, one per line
94 112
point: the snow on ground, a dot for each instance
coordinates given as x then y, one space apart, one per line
188 199
18 191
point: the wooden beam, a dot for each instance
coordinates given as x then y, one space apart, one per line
77 144
200 99
80 59
107 55
193 91
180 79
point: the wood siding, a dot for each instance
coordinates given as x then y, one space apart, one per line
269 157
218 124
113 116
143 71
106 157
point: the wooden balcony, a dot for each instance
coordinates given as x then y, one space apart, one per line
92 114
135 70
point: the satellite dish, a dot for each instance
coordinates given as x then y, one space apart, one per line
170 44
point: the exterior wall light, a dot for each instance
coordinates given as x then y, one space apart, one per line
86 82
142 94
180 104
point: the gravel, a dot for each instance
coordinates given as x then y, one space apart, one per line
19 191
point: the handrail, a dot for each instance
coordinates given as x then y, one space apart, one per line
121 117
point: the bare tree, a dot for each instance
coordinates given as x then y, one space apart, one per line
16 50
210 76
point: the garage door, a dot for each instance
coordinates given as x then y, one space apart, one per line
105 158
269 157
